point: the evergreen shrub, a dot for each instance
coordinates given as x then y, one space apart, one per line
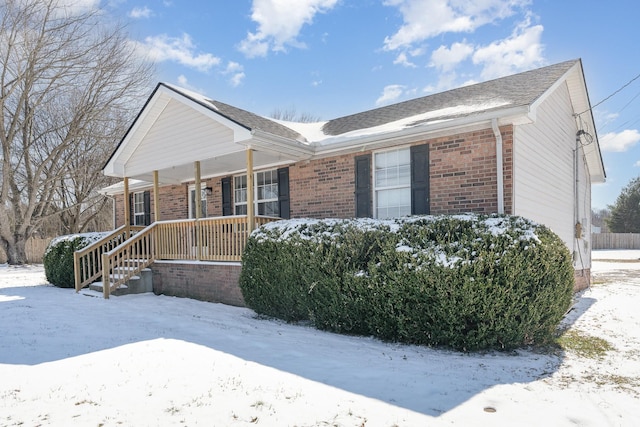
467 282
58 257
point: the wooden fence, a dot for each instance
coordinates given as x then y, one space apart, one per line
615 241
34 247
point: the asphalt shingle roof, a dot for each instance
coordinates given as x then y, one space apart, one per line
253 121
515 90
511 91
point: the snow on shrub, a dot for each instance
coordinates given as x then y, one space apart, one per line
58 257
467 282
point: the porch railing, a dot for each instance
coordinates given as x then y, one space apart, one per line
87 262
206 239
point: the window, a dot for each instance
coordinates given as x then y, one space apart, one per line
240 194
265 193
392 183
139 212
192 202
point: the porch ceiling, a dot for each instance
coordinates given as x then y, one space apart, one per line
173 132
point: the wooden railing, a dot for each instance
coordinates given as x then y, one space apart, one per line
87 262
207 239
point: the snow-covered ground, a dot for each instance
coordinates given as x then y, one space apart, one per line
146 360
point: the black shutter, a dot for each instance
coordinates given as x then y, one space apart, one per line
132 216
363 186
420 179
283 193
147 207
227 209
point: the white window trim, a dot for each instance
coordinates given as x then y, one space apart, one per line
256 202
136 213
374 188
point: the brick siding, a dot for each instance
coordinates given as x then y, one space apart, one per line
463 172
213 282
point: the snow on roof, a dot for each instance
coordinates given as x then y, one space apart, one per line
314 132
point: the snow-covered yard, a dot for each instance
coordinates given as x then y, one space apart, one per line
71 359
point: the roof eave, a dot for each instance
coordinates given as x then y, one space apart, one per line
512 115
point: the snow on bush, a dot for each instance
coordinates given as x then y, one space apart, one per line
58 257
467 282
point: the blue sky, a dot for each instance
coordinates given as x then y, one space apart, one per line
329 58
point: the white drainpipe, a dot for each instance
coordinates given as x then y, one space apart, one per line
499 165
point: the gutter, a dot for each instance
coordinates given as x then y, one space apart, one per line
499 165
341 143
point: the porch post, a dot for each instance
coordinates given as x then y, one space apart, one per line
127 207
198 208
250 210
156 199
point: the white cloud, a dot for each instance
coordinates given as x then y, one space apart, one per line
402 59
521 51
75 7
390 94
184 83
279 23
621 141
424 19
182 50
237 73
140 12
447 58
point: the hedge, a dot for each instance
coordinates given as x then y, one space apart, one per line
58 257
467 282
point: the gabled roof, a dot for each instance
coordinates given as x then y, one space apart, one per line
218 133
512 91
242 117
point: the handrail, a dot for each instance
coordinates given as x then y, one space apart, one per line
87 262
206 239
127 259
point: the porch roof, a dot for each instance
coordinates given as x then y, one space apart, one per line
176 128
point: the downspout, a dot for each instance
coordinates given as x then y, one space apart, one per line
499 165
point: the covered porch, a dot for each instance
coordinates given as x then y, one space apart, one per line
180 138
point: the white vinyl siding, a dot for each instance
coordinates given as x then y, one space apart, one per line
544 173
392 183
178 122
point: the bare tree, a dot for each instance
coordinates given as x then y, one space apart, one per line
291 115
69 84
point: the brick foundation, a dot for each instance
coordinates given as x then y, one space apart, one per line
204 281
582 279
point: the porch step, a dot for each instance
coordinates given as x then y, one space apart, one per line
137 284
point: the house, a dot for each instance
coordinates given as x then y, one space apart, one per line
203 173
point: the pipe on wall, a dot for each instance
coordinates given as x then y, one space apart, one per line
499 165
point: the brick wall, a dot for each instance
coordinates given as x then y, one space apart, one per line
582 279
173 204
462 173
323 188
213 282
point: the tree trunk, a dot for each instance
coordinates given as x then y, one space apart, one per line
15 250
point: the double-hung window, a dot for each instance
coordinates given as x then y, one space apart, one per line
265 193
392 183
139 212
